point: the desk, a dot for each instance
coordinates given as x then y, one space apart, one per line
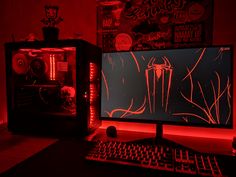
212 145
65 158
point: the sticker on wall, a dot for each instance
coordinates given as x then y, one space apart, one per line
123 41
153 24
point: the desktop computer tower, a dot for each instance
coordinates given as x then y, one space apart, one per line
53 87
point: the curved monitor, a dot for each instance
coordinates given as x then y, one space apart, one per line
191 86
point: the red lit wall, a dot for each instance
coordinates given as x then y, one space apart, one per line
19 18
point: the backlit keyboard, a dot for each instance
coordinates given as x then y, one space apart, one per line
159 157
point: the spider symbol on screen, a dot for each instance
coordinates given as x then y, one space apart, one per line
158 80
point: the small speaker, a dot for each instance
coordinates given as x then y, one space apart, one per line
111 131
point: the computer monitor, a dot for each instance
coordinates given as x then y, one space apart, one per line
187 86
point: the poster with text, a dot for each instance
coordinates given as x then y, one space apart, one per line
124 25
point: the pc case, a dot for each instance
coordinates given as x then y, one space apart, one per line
53 87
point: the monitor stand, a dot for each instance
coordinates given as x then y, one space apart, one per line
158 139
159 132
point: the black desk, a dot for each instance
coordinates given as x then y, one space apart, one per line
65 158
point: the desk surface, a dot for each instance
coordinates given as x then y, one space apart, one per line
66 158
209 145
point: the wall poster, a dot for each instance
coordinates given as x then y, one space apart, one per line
153 24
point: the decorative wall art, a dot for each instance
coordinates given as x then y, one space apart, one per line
153 24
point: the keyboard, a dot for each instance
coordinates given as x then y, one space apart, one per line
159 157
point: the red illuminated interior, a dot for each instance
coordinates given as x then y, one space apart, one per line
224 33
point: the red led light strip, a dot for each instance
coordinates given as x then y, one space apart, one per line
93 93
52 67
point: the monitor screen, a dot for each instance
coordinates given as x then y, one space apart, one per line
191 86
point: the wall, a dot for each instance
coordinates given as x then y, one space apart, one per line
19 18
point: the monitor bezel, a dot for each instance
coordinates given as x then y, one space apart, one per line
148 121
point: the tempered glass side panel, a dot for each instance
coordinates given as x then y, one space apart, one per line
44 80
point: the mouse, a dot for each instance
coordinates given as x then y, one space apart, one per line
111 131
